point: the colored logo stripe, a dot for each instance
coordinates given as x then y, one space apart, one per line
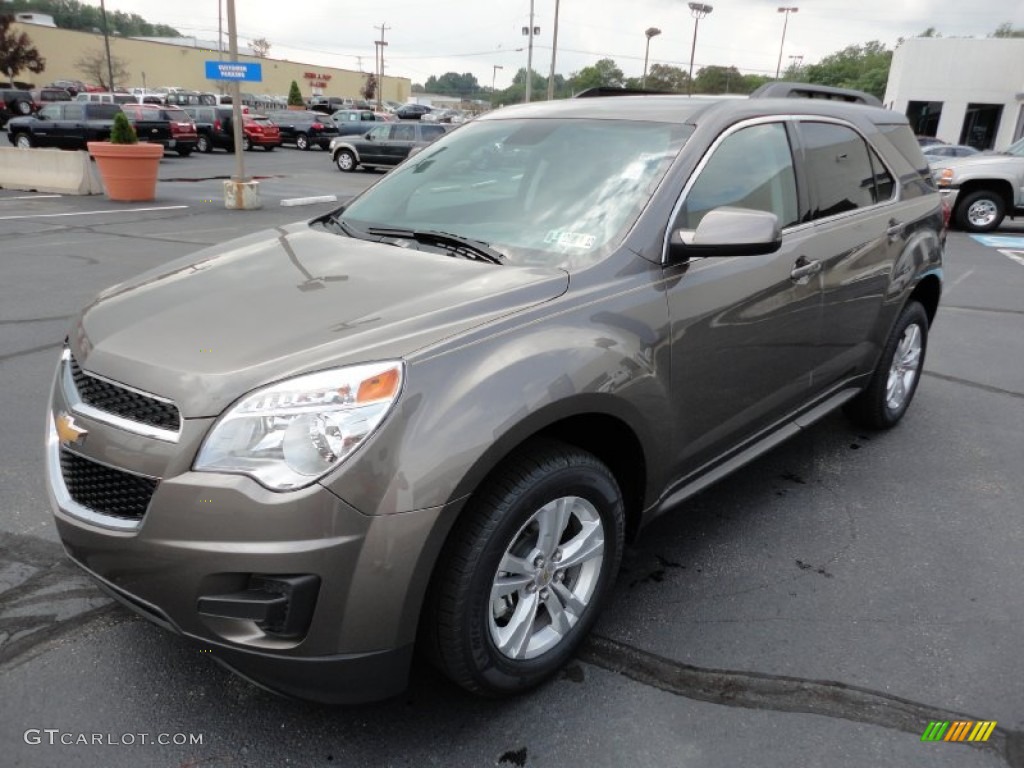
959 730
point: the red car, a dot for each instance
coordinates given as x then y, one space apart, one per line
259 131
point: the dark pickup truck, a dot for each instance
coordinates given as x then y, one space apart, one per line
72 124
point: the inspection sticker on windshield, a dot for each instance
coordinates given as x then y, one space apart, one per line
570 239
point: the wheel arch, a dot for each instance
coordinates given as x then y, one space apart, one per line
927 293
1001 187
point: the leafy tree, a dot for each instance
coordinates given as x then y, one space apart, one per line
260 47
17 52
453 84
369 89
1006 29
418 88
864 67
603 73
295 96
664 77
122 131
93 65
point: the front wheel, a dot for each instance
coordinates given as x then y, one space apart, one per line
302 141
980 211
246 144
526 570
203 145
23 141
345 161
184 152
894 382
268 147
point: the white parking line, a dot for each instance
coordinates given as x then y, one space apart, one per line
93 213
27 197
1013 255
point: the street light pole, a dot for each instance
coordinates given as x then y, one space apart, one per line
494 76
699 11
786 10
106 42
554 49
650 32
529 58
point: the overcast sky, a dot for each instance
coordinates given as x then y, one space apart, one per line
431 37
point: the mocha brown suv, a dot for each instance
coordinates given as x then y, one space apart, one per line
435 415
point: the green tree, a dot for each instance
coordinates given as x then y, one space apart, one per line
17 52
122 131
295 96
604 73
662 77
453 84
73 14
864 67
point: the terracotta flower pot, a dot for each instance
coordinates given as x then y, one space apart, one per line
129 171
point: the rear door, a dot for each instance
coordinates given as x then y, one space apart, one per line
403 137
71 129
859 233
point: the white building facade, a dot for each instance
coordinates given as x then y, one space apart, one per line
961 90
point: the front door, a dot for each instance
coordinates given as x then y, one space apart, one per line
745 329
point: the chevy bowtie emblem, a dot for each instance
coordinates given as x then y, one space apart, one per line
69 432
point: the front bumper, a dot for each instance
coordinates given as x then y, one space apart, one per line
201 535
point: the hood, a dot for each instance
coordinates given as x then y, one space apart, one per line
207 329
995 161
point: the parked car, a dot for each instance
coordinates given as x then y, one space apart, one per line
182 136
43 96
434 415
382 146
983 189
71 86
259 131
412 111
350 122
928 141
214 128
938 152
65 125
14 102
304 129
105 97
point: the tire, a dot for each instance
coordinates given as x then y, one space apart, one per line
203 145
23 107
268 147
184 152
346 161
23 141
302 142
980 211
246 144
543 534
889 393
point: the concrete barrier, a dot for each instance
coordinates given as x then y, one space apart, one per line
48 170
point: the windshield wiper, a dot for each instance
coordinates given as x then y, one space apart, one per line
455 245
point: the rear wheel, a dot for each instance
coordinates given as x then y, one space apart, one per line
345 161
203 144
302 141
185 152
23 141
246 144
23 107
268 147
526 569
980 211
894 382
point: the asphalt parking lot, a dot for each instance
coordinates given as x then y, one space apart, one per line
818 608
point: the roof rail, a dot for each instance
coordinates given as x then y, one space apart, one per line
810 91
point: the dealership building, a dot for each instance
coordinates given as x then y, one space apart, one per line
960 90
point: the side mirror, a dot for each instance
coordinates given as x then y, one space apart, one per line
728 231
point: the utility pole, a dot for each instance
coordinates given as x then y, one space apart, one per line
106 42
220 30
236 97
786 10
698 11
554 50
494 75
379 45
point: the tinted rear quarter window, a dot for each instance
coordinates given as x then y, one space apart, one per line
839 167
74 111
431 132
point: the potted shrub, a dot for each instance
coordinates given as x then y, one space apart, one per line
295 100
128 168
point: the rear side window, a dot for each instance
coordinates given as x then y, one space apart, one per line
751 168
74 111
431 132
404 133
102 111
178 115
840 169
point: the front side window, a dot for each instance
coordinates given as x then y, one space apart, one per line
751 168
50 112
380 133
840 169
74 111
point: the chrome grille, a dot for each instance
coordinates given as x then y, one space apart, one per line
104 489
126 403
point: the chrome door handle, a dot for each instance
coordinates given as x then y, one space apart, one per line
805 268
895 230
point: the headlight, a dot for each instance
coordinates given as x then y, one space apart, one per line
289 434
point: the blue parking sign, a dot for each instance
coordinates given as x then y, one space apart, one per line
234 70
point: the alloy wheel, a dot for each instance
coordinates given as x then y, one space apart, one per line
906 363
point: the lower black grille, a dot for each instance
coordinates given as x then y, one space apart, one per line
104 489
124 402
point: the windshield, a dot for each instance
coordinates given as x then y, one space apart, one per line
547 192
